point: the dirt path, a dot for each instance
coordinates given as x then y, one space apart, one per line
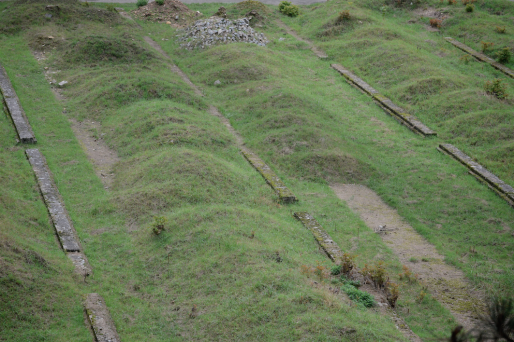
446 283
318 52
102 157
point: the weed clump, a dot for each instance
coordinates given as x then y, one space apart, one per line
496 88
158 224
361 297
435 22
343 16
486 46
287 8
503 55
500 29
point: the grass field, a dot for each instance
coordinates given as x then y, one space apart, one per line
179 162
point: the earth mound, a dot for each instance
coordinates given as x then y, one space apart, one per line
172 11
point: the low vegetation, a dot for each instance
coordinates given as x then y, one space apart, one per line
228 249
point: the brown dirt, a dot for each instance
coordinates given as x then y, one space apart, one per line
446 283
167 12
102 157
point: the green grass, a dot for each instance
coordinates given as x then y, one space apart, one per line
179 162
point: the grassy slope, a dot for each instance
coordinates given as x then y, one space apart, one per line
211 196
307 122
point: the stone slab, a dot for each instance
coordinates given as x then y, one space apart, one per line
100 319
500 187
62 223
285 195
324 240
481 57
21 123
385 103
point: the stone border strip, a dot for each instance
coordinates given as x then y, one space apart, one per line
284 194
324 240
100 319
504 190
385 103
63 227
21 123
481 57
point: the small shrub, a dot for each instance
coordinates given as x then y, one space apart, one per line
500 29
158 224
319 271
421 296
464 59
408 275
141 3
496 88
435 22
111 8
347 263
336 270
159 2
503 55
287 8
361 297
486 46
470 8
343 16
392 293
375 273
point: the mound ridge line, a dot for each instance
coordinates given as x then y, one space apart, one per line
284 194
385 103
21 123
501 188
481 57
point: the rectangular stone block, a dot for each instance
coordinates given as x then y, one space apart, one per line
324 240
285 195
481 57
500 187
100 319
395 111
19 119
62 223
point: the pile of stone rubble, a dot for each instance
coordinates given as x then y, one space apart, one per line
214 31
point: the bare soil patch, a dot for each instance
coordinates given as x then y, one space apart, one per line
102 157
446 283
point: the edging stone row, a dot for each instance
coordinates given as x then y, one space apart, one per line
21 123
330 247
385 103
481 173
481 57
284 194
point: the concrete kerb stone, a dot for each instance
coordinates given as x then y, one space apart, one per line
100 319
324 240
12 103
284 194
385 103
504 190
63 226
481 57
